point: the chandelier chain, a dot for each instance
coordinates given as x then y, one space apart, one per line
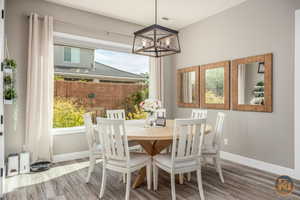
155 11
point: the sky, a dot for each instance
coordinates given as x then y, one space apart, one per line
124 61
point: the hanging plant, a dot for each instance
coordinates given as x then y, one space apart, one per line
10 63
10 94
7 80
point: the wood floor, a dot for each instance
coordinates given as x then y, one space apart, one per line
66 181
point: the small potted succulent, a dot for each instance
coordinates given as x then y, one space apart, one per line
9 95
7 79
9 65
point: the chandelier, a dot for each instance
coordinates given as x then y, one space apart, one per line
156 40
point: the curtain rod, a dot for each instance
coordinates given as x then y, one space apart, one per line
86 28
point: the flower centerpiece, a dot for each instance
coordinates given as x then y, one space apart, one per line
150 106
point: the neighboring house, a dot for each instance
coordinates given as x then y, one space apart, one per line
74 63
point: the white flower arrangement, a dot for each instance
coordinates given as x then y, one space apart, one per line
150 105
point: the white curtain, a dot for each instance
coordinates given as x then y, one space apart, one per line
39 100
156 85
241 83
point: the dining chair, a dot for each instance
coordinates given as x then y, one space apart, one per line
196 114
116 114
188 136
120 114
116 153
95 150
213 151
199 114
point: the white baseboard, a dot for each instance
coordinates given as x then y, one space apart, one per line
267 167
70 156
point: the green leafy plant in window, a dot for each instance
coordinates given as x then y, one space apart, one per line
131 104
67 113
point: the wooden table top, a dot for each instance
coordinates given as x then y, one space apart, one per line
135 130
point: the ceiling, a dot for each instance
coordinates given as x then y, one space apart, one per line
181 13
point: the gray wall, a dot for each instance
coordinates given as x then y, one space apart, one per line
252 28
86 57
67 20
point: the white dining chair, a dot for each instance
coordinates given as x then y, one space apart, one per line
120 114
116 114
199 114
213 151
196 114
95 150
116 153
188 136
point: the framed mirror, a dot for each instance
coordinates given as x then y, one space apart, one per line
188 87
252 83
214 85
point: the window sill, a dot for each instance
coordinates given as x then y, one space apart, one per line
68 131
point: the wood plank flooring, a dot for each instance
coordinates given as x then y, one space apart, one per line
66 181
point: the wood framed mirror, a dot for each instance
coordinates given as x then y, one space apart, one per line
214 85
251 80
188 87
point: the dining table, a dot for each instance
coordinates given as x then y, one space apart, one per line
153 140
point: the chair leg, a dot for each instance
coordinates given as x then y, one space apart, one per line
91 167
205 161
189 175
124 177
103 185
219 168
173 186
181 179
155 177
128 183
149 177
199 179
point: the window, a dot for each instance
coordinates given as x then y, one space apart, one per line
123 84
71 55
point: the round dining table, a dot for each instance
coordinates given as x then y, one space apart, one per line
152 139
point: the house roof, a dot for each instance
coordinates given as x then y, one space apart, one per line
100 70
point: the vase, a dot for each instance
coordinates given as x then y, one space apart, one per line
149 119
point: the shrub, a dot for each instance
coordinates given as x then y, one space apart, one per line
137 114
67 113
211 97
131 104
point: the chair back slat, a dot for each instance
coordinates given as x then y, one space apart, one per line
187 139
89 130
199 114
219 130
115 114
114 138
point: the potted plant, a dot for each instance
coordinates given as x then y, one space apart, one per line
9 95
10 65
7 80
